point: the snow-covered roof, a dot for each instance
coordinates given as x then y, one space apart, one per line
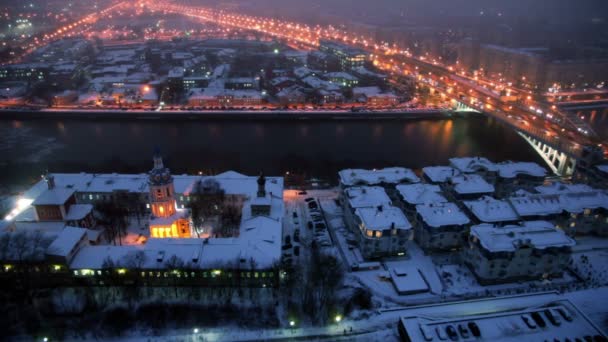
390 175
367 91
471 184
489 209
499 319
231 182
366 196
408 280
259 240
65 242
603 168
440 174
535 234
513 169
536 205
473 164
54 196
78 211
442 214
340 74
559 188
577 202
420 193
383 217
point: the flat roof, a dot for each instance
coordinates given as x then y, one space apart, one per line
489 209
500 319
421 193
536 234
442 214
560 187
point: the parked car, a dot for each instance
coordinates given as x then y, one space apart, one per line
309 199
302 192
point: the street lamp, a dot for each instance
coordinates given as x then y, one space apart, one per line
195 330
292 323
338 318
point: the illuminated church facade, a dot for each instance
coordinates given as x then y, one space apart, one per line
166 220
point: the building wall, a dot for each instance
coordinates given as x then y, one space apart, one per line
440 238
524 263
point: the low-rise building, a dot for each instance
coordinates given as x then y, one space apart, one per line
419 193
440 226
439 174
374 97
532 250
478 165
528 317
389 176
490 210
470 186
343 79
513 176
383 231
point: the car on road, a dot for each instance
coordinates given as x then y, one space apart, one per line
309 199
303 193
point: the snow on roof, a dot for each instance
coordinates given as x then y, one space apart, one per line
471 184
366 196
440 174
536 205
66 241
489 209
559 188
365 72
340 74
317 83
513 169
55 196
420 193
302 72
231 182
42 226
392 175
408 280
259 240
383 217
577 202
367 91
473 164
499 319
78 211
603 168
536 234
278 80
442 214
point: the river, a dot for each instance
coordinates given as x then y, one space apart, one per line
310 148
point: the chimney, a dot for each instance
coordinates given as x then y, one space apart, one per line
261 185
50 182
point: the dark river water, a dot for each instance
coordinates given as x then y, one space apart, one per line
310 148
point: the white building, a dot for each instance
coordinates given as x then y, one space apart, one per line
470 186
532 250
384 231
385 177
440 226
535 317
490 210
439 174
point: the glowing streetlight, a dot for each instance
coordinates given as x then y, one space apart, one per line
195 330
292 323
338 318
